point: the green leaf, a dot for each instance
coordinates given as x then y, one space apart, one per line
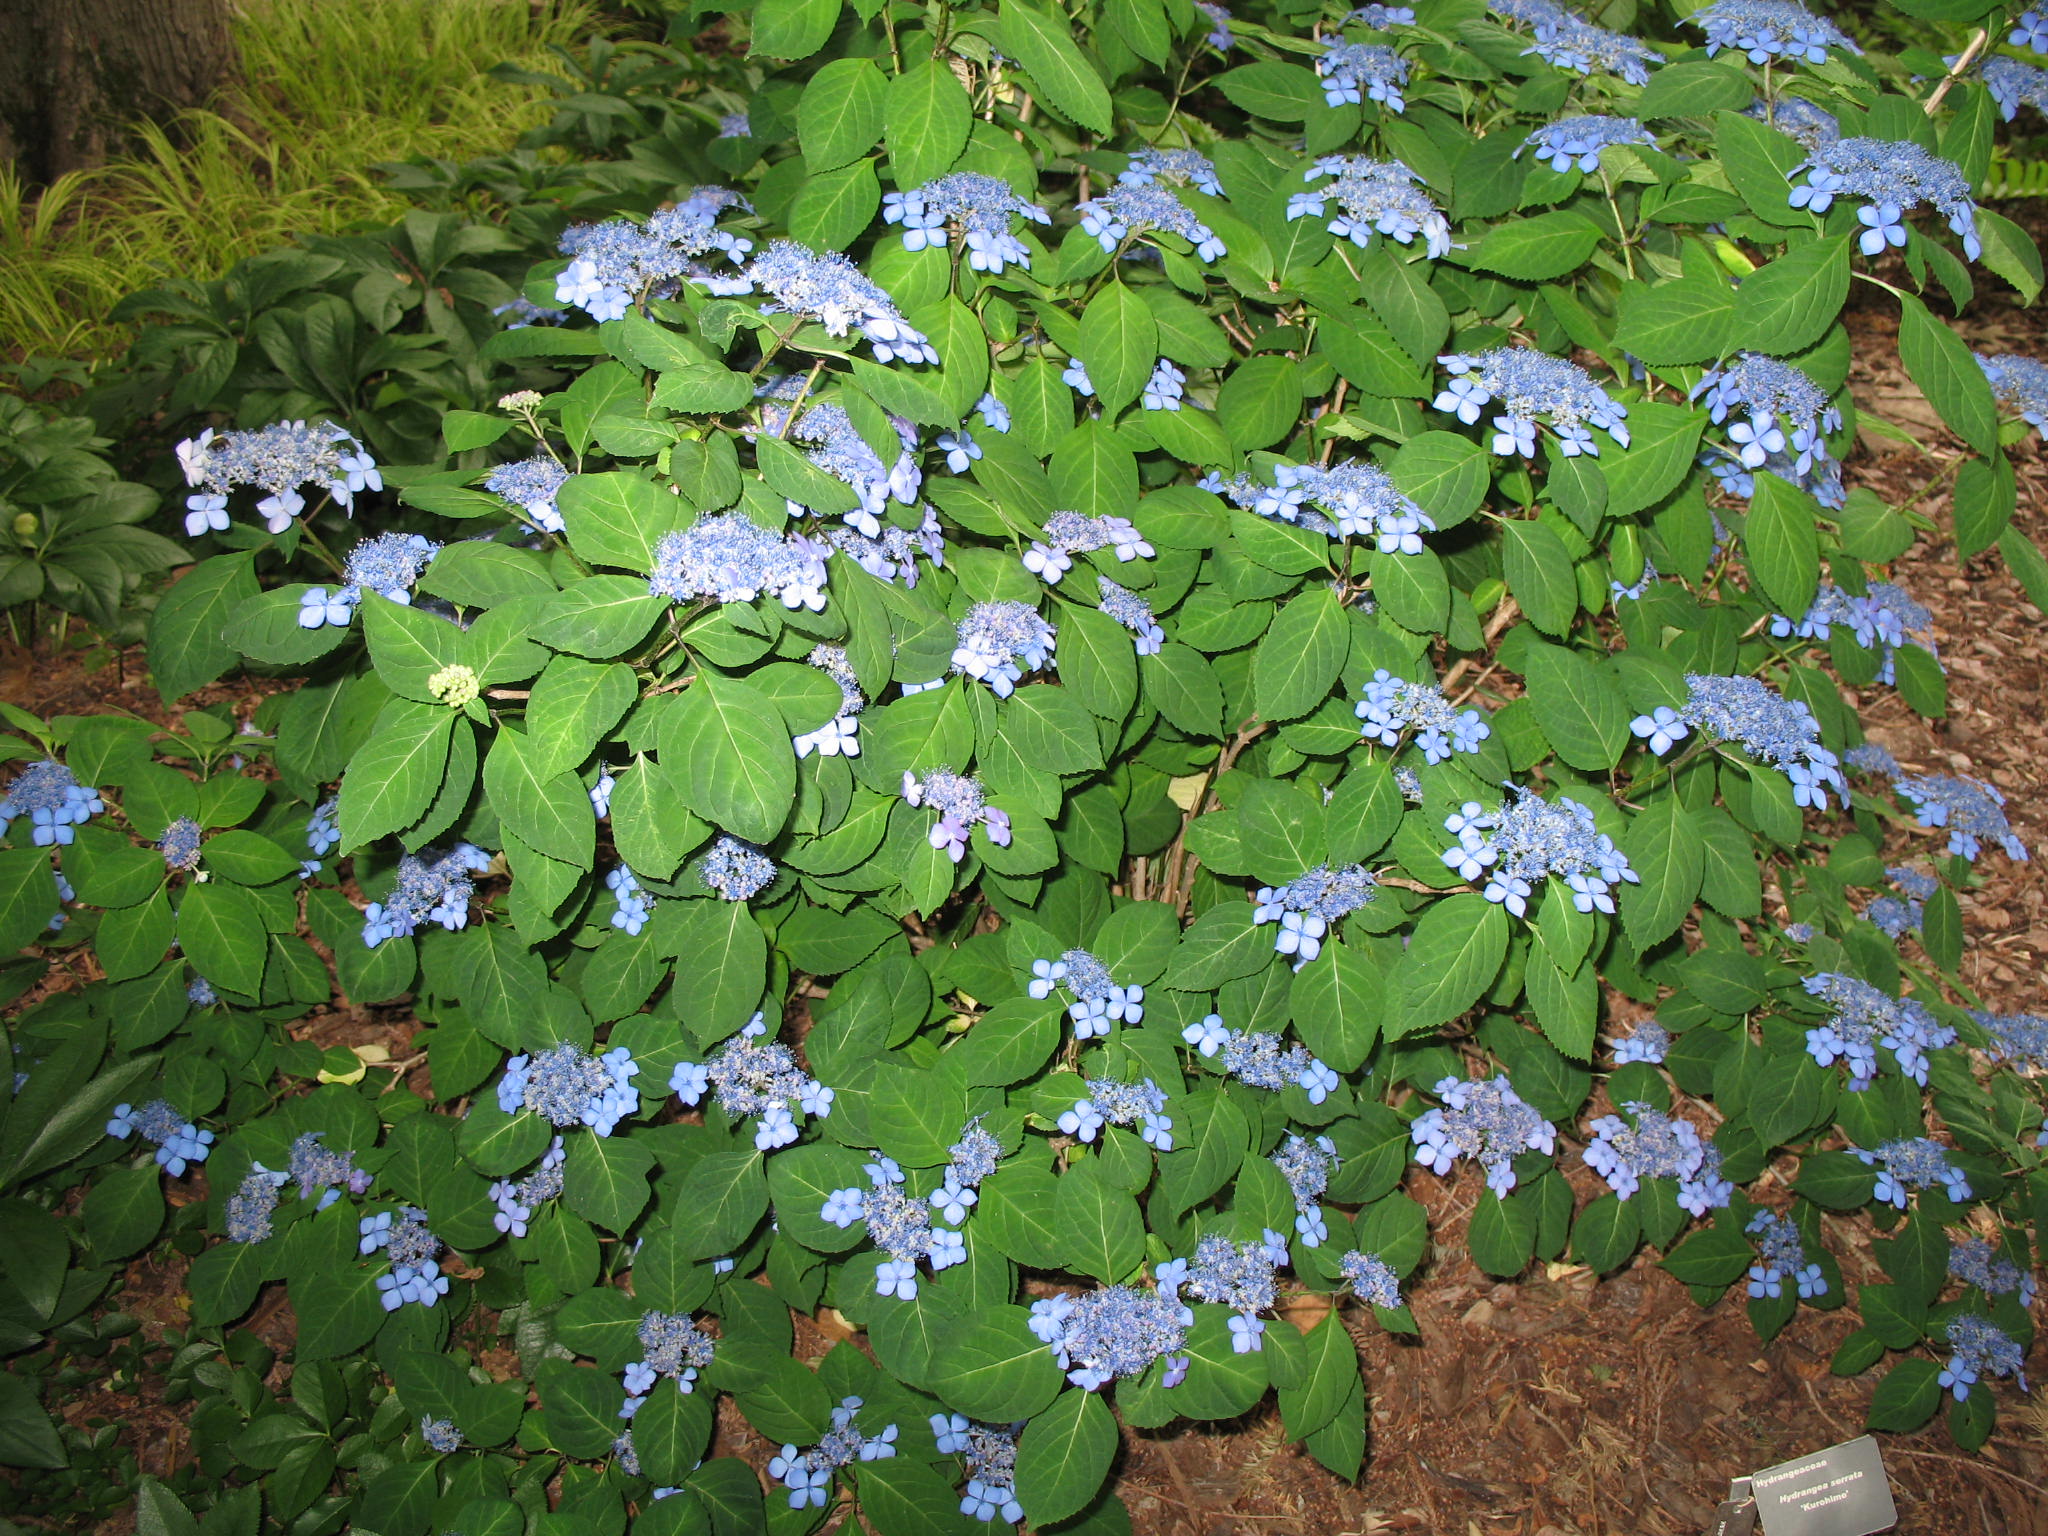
124 1212
927 116
1686 319
841 115
579 1406
793 29
1044 45
617 518
1442 473
992 1367
1539 574
1050 730
1182 686
1119 344
1986 496
1534 250
1759 161
1907 1397
1711 1256
728 743
1665 850
1103 1233
1785 306
573 708
28 1438
1663 441
1064 1456
188 647
1940 362
394 776
726 1194
1220 945
1579 705
1455 953
907 1497
1502 1236
551 812
1413 590
1782 543
835 206
221 930
1297 665
605 1180
1260 402
1287 93
1606 1234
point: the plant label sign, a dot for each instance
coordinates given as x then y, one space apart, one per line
1842 1491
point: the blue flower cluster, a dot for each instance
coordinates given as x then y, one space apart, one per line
831 290
1781 421
1485 1120
808 1474
1865 1018
1104 1335
2020 384
53 800
979 207
1974 1261
1650 1042
755 1081
1307 905
1361 72
1110 1102
900 1224
531 485
1235 1275
1657 1146
618 263
671 1345
1219 36
1373 196
1769 29
178 1141
2012 84
962 805
1381 17
1000 641
1261 1060
1781 1256
1306 1165
735 869
2018 1039
892 556
180 844
991 1454
1355 498
1148 635
1798 119
1897 916
839 736
973 1158
1773 729
431 887
414 1254
1910 1163
1130 212
1894 176
1098 1000
1393 706
251 1206
517 1201
565 1087
1527 385
1969 810
1884 618
322 1173
1572 43
1980 1347
1372 1279
390 563
1576 142
440 1434
842 452
1183 167
1068 534
280 460
1526 839
727 557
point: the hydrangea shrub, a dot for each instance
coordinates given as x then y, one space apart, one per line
824 895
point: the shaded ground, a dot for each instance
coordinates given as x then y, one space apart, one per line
1552 1406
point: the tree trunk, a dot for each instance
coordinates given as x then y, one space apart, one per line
74 73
